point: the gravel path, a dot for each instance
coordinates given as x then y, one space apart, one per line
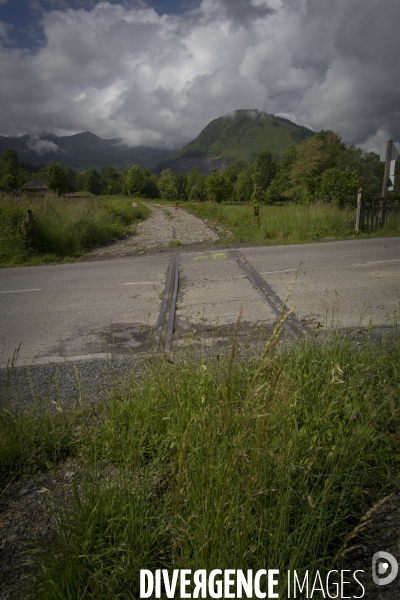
166 226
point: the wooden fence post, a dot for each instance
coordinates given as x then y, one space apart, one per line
360 210
29 221
382 212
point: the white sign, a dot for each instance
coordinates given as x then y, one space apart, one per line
391 175
395 152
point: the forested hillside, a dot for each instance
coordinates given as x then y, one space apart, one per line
320 168
243 136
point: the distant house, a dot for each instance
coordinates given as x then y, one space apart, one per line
36 185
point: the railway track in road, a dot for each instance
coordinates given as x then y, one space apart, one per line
165 324
291 324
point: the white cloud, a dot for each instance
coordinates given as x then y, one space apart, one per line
41 146
159 79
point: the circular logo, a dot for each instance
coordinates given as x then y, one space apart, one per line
381 561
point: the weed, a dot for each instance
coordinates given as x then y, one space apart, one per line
233 463
286 224
63 228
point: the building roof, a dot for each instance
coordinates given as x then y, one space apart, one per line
36 183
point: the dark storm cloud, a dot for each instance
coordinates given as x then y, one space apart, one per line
125 69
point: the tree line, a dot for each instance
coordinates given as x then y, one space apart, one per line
320 168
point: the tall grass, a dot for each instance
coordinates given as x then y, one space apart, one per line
232 463
287 224
63 227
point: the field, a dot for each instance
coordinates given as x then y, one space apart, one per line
63 228
285 224
230 463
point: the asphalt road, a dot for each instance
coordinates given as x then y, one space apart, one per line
98 309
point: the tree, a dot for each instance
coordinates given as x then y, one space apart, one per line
316 155
232 171
167 186
333 146
282 181
243 187
265 167
71 176
198 192
9 162
56 178
135 180
9 181
22 177
110 180
81 181
257 196
218 187
181 186
150 187
92 182
340 186
195 179
309 164
371 175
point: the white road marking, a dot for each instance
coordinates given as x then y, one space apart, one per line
18 291
375 262
60 359
282 271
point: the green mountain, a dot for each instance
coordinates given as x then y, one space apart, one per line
82 151
243 135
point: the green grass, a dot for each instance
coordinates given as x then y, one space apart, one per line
226 463
286 224
64 228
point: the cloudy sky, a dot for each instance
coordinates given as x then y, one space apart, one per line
155 72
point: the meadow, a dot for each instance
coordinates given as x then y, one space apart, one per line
284 224
63 228
66 228
231 462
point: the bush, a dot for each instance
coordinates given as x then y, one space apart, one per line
13 247
63 227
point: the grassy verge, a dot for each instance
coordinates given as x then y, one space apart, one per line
63 228
287 224
231 463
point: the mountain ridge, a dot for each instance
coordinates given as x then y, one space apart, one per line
240 135
82 151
